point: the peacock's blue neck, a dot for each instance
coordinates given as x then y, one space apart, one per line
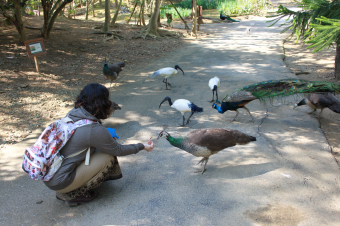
219 109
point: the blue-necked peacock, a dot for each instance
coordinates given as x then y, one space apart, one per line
206 142
222 17
271 89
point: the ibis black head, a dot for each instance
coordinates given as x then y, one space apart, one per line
177 67
166 99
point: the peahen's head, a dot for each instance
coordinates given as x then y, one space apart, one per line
163 134
106 70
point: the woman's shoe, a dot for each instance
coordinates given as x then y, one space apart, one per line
84 198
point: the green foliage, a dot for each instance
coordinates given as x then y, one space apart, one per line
312 9
204 3
322 36
171 10
243 7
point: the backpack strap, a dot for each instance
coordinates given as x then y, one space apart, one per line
87 158
88 122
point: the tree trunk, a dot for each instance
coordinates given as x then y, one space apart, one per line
142 9
337 62
46 8
18 21
116 4
186 26
153 21
116 13
194 17
93 8
107 16
87 10
133 11
54 17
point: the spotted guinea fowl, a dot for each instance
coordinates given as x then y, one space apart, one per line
214 84
271 89
320 101
206 142
166 73
112 71
183 106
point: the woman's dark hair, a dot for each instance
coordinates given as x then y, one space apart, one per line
95 99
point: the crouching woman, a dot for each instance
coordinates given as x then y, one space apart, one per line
74 181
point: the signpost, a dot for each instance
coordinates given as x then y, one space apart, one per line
35 48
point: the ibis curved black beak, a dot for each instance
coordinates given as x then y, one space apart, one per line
165 99
162 103
181 70
177 67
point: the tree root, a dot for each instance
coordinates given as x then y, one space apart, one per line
109 33
161 34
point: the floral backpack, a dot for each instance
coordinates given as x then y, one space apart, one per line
42 160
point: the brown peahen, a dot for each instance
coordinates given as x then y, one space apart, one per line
112 71
115 107
320 101
206 142
269 90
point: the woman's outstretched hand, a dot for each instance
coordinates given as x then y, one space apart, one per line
149 146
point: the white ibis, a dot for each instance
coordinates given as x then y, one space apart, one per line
183 106
214 84
166 73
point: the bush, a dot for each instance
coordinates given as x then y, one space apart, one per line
171 10
243 7
204 3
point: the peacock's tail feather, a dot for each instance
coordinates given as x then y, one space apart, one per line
286 87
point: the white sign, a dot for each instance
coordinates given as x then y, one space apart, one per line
35 47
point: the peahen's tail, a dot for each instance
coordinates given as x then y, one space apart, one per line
286 87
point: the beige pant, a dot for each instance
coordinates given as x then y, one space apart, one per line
98 167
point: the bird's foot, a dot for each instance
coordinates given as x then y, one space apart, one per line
203 160
252 120
200 171
211 101
181 125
